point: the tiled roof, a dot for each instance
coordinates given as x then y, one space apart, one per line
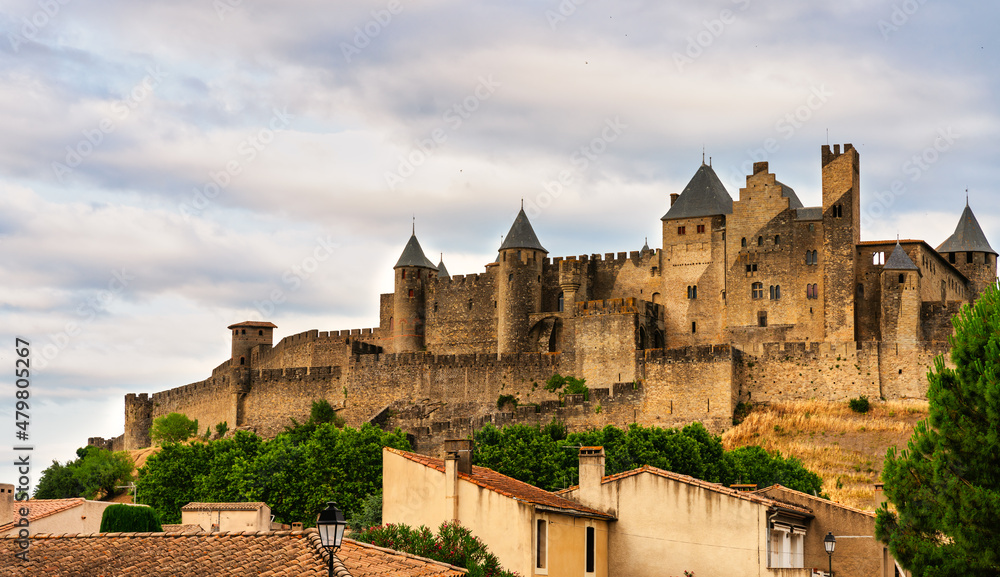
508 486
521 235
179 528
704 195
767 491
715 487
968 236
249 506
255 324
899 260
413 255
270 554
39 508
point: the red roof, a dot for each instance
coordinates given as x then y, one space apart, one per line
508 486
39 508
271 554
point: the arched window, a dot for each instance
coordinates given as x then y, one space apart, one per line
243 331
902 278
760 241
757 290
510 277
411 293
404 273
561 303
692 292
642 338
658 340
743 242
260 333
243 360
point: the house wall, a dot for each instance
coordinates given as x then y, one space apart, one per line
258 520
84 518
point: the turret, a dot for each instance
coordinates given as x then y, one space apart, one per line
969 251
138 420
841 234
409 311
519 284
900 307
247 336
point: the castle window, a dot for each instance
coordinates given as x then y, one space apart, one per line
243 331
470 304
812 257
260 333
812 227
838 211
757 290
435 307
902 278
968 257
642 338
518 255
743 242
236 332
762 319
861 289
243 360
951 257
701 228
561 302
510 277
404 273
751 268
777 239
692 292
694 327
812 291
411 293
681 230
775 292
878 258
760 241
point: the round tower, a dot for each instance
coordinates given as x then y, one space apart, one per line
969 251
409 304
519 285
247 336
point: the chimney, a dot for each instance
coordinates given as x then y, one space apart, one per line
457 459
879 494
759 167
6 503
591 475
673 198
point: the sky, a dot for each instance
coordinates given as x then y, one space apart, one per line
170 168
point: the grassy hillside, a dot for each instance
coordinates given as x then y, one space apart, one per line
845 448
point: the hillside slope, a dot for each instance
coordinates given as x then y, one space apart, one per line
845 448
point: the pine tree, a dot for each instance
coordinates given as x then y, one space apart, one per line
946 486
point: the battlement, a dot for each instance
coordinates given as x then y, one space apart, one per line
461 360
623 306
698 353
302 373
460 280
829 156
608 257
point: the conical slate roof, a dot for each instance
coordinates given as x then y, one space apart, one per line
704 195
521 235
442 271
645 245
413 255
899 260
968 236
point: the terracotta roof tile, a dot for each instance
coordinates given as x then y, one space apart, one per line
767 491
271 554
39 508
508 486
250 506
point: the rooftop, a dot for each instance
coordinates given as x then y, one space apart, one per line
899 260
40 508
254 324
249 506
510 487
274 554
968 236
413 255
521 235
704 195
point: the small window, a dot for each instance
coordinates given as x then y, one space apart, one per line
777 239
692 292
510 277
812 227
902 278
541 544
743 242
762 319
757 290
968 257
760 241
435 307
404 273
411 293
951 257
752 267
681 230
243 331
243 360
701 228
694 327
591 550
260 333
561 303
775 291
470 304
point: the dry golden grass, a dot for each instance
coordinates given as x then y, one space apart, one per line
845 448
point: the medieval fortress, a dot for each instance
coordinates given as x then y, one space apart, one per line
752 300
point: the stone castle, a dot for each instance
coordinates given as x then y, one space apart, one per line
752 300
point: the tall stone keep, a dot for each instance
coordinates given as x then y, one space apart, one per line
841 233
969 251
412 272
247 336
519 284
138 420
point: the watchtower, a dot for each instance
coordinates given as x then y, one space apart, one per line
841 233
412 271
248 335
519 284
969 251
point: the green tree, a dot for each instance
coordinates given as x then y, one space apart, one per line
526 453
173 428
58 482
945 486
124 518
170 479
95 473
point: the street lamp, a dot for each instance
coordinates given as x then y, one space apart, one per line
830 543
331 526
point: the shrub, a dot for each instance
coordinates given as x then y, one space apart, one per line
124 518
221 429
741 412
453 544
173 428
505 400
860 404
370 515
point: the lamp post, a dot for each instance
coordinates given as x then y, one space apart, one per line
830 543
331 526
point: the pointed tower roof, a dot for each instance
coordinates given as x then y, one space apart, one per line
704 195
899 260
968 236
645 245
442 271
413 255
521 235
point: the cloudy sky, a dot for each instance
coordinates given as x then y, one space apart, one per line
168 168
